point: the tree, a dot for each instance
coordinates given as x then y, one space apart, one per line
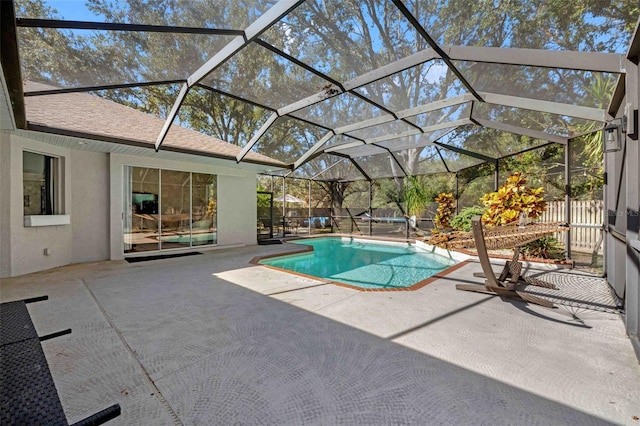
342 39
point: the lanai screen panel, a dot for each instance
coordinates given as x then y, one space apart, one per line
547 84
345 39
343 170
93 58
417 141
382 130
429 162
287 139
226 14
455 161
259 75
522 25
553 124
221 116
380 165
476 139
490 142
413 87
338 111
429 118
316 166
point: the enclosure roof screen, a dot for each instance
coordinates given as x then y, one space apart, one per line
339 90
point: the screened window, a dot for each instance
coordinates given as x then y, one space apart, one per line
40 184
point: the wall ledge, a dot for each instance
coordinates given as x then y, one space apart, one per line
47 220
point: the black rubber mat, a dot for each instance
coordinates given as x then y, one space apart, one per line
28 395
159 256
16 323
269 242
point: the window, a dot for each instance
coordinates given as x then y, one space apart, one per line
40 186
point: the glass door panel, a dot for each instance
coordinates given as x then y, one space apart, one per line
204 217
141 227
175 217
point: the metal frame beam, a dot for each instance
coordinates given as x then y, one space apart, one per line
272 118
404 172
115 26
537 134
557 108
412 19
355 164
426 129
410 112
467 153
306 156
102 87
172 115
10 58
260 25
571 60
354 83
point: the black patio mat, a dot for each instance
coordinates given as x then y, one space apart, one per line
159 256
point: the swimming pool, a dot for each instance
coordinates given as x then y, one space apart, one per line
363 264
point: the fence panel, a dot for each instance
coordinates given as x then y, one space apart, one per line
586 223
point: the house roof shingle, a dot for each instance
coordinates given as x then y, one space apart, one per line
86 114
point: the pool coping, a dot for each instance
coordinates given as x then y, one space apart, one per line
306 249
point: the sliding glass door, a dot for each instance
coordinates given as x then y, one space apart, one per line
168 209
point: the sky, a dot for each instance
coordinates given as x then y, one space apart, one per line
72 10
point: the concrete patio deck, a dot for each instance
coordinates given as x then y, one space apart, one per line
211 339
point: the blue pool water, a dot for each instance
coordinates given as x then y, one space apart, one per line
186 238
363 264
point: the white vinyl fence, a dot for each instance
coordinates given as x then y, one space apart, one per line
586 223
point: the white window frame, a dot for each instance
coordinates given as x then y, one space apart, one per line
58 217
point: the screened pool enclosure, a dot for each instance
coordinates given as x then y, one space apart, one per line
341 92
341 103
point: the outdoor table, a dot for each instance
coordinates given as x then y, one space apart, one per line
28 394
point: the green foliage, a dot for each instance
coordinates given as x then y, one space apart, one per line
512 200
545 248
462 222
446 209
416 196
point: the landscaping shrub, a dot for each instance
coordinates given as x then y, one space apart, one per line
545 248
462 222
446 208
511 200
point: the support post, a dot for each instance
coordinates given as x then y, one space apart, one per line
457 195
567 195
284 206
496 176
370 207
632 209
309 211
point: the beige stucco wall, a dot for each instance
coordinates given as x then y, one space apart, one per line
93 197
27 244
5 210
89 210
